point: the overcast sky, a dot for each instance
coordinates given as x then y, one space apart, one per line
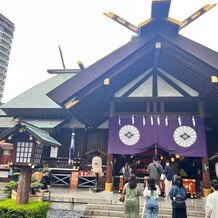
83 33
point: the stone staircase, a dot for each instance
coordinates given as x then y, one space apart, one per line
115 209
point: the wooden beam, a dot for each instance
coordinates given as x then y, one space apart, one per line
206 90
122 21
126 114
148 107
157 54
174 85
196 15
155 107
153 99
162 107
154 84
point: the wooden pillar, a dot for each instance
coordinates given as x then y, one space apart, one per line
74 179
109 170
24 185
205 160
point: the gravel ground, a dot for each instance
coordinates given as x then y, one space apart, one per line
56 213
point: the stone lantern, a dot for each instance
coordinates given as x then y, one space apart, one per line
28 142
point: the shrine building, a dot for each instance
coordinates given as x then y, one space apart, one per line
157 94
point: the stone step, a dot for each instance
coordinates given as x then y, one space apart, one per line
108 213
197 208
116 210
159 216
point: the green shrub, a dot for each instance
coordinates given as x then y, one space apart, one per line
12 185
35 186
34 209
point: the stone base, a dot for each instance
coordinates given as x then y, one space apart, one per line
36 197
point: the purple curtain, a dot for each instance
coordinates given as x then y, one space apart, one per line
176 135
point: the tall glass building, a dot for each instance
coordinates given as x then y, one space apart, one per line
6 36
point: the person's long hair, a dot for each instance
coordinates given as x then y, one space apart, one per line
214 184
151 184
178 181
132 181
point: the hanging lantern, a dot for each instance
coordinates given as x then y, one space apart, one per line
172 159
177 156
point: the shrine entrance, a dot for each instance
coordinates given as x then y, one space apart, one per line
189 168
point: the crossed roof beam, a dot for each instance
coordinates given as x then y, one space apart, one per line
181 24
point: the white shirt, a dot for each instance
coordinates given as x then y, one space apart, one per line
156 193
211 207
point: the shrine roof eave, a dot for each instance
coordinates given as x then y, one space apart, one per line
40 135
65 91
37 112
199 51
8 122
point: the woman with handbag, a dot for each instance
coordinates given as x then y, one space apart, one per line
178 195
132 193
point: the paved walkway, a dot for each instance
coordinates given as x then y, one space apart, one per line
86 196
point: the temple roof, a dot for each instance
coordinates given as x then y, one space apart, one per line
183 59
35 102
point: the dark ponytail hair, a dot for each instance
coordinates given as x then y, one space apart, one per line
151 184
132 181
178 181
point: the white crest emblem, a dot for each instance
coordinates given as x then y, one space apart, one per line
129 135
185 136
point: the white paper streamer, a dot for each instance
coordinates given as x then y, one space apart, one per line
133 120
166 121
143 121
119 121
158 120
179 121
193 121
152 121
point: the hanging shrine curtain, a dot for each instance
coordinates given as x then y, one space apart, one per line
177 135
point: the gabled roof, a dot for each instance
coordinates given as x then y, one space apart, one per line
35 102
185 60
40 135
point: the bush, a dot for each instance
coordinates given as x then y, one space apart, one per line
34 209
35 186
12 185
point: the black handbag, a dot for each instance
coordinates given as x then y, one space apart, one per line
122 198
